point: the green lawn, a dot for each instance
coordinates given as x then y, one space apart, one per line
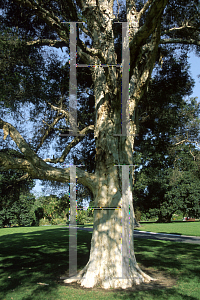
185 228
33 255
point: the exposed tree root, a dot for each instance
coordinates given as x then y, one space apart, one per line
89 279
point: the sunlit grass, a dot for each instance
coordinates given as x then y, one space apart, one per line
184 228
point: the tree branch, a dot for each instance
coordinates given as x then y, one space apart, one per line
60 110
180 41
146 65
46 16
86 54
75 141
21 143
187 141
145 7
178 29
139 39
23 177
36 167
47 172
85 30
72 11
55 121
60 28
48 42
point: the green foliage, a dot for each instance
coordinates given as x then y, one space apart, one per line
164 192
81 217
20 69
52 208
20 213
169 178
185 194
14 207
25 210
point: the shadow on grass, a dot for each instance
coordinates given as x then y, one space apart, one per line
174 227
178 264
41 256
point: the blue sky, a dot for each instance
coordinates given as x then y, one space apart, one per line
195 71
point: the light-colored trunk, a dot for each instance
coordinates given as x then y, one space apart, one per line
104 267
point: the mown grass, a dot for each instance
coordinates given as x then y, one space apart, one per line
183 228
33 255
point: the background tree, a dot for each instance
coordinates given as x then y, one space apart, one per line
183 193
24 208
163 117
152 25
12 185
55 207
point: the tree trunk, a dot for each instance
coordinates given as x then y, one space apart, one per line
109 251
164 219
104 267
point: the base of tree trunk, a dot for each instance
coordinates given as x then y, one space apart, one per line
89 278
112 262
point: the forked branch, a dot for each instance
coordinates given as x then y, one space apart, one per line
145 7
48 130
74 142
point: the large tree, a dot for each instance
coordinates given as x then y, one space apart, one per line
154 26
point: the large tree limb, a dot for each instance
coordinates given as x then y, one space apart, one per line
20 142
48 42
84 52
179 29
147 65
46 172
36 167
180 41
75 141
139 39
145 7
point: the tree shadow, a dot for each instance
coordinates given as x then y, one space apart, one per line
36 257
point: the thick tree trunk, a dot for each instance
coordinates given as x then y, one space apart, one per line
110 249
104 267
